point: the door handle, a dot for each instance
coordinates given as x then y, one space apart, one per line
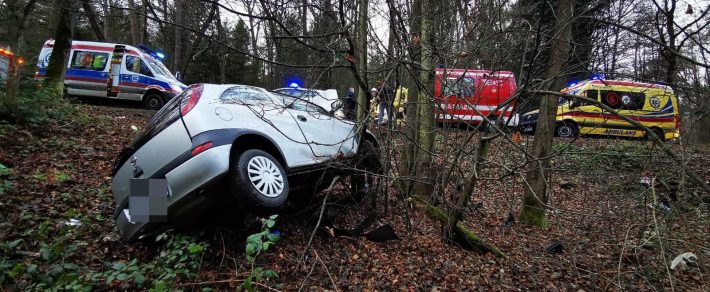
301 118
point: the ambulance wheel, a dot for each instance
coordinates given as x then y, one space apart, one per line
566 130
153 101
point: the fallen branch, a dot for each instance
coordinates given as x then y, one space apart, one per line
471 239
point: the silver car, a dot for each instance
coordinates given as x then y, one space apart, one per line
258 145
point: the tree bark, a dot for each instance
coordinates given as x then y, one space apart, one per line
363 108
536 191
427 124
108 20
22 26
409 150
198 40
134 22
91 16
470 239
177 51
62 45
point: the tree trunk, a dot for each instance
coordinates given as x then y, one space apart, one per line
701 129
134 22
468 238
177 51
22 26
108 20
427 124
363 108
62 45
91 16
198 40
409 150
671 57
536 193
144 22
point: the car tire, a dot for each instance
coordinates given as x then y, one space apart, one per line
153 101
369 164
258 179
369 158
566 130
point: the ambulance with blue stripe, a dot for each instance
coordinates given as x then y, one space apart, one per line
115 71
653 105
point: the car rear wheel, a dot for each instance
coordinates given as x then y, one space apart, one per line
258 179
566 130
153 101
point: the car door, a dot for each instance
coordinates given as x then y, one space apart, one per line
135 74
258 110
87 74
325 136
589 116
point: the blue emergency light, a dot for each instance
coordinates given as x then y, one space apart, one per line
597 76
293 85
151 52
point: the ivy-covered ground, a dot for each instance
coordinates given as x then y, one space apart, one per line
56 229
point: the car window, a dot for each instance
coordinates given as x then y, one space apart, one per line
297 92
623 100
159 67
136 65
591 94
300 104
244 95
458 86
89 60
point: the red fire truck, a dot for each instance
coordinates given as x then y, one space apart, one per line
466 96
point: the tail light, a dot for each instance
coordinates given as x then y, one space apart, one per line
677 122
191 98
201 148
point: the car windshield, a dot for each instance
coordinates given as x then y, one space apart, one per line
298 103
298 92
159 68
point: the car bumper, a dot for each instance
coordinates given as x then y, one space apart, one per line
188 178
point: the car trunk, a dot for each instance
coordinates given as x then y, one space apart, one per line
162 145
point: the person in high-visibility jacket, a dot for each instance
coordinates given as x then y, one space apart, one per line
401 97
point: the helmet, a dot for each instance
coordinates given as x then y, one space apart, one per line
373 89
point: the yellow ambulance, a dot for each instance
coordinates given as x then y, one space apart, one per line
653 105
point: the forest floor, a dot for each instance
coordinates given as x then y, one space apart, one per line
56 228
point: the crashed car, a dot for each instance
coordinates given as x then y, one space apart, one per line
258 145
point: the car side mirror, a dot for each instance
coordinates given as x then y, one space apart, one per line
335 106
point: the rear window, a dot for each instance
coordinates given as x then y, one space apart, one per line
244 95
161 120
460 86
86 60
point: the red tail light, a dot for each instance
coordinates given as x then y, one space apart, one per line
677 122
201 148
191 98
